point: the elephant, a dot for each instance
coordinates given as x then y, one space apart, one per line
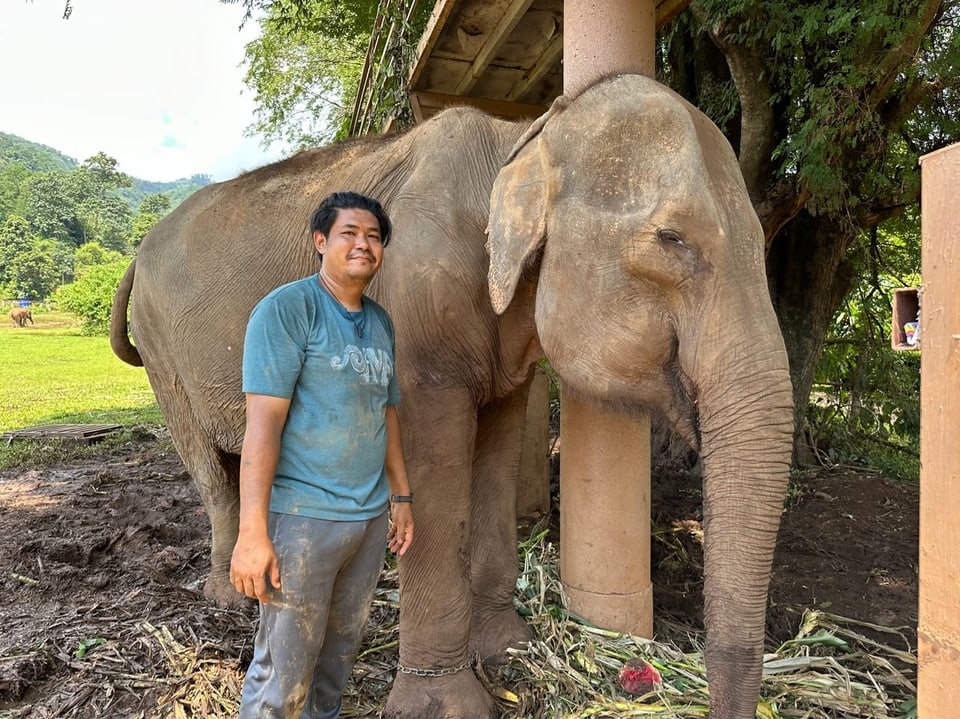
613 236
20 315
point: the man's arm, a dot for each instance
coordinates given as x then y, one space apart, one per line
253 556
401 533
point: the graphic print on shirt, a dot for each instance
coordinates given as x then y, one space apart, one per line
373 365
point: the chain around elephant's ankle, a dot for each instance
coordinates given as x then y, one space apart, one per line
434 672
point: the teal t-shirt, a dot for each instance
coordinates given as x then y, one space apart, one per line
337 369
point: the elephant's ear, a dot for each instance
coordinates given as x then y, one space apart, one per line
518 211
517 225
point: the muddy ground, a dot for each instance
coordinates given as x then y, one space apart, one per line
103 560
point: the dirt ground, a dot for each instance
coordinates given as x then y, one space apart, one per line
103 559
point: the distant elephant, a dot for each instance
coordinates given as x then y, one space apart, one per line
613 235
20 315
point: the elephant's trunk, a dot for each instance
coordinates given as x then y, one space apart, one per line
746 432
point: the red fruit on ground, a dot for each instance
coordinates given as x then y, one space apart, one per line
638 677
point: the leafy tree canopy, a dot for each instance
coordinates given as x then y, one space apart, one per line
158 204
91 254
330 18
14 240
33 274
305 67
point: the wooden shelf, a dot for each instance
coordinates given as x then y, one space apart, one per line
906 308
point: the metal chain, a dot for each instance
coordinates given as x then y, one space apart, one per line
434 672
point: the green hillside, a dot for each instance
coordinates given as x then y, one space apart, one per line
34 157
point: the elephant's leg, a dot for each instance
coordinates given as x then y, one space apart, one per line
434 679
216 474
495 624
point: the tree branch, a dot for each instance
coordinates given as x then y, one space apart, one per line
753 80
889 69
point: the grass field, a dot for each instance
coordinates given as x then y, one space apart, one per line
52 374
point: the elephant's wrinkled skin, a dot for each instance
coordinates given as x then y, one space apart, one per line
20 315
621 241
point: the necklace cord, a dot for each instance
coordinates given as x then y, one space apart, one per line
359 323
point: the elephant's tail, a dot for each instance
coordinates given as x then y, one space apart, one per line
119 337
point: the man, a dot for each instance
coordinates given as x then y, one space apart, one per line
320 465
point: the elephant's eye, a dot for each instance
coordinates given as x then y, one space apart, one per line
670 237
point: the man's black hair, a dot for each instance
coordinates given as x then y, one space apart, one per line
326 214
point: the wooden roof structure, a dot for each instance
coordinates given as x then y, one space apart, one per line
502 56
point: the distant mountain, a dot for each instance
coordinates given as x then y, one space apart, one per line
16 150
37 158
177 191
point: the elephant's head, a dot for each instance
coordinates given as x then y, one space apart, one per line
652 294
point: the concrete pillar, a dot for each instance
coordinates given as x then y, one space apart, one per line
605 37
605 517
939 621
605 456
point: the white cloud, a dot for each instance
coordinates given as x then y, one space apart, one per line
156 85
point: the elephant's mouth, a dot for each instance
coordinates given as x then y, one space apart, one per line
682 409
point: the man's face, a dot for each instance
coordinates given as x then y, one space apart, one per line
353 250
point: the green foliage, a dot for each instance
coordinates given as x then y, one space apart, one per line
150 212
31 156
177 191
331 18
33 273
104 175
55 213
12 178
90 295
846 76
141 225
90 254
385 95
62 255
865 407
14 240
158 204
305 67
21 160
50 206
101 212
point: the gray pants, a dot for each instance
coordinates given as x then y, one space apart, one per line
310 632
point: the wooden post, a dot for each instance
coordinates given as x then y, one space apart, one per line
939 621
605 456
533 487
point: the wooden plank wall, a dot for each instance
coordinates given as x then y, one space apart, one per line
939 620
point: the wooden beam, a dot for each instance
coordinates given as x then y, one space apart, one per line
669 9
547 61
426 104
435 25
493 42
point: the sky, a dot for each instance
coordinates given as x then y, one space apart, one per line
155 84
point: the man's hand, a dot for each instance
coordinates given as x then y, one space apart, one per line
254 559
400 536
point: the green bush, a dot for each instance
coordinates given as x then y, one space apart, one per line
90 296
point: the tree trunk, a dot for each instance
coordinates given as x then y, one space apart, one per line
808 280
